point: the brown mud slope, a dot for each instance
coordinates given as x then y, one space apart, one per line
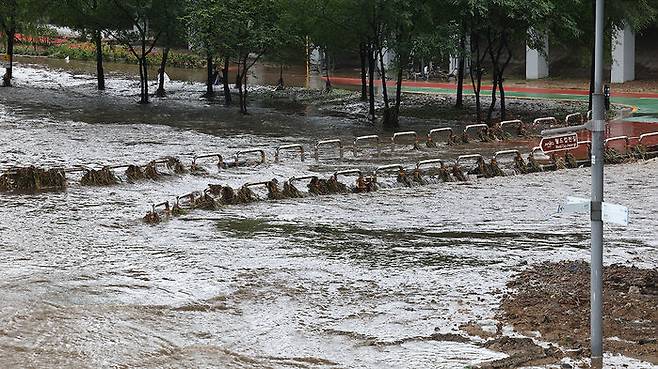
553 298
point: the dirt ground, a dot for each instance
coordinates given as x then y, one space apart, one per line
415 108
553 299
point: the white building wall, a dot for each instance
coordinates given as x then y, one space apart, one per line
623 55
536 62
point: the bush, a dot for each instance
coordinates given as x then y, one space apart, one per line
113 53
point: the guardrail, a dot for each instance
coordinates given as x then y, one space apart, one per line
119 166
165 204
645 135
403 134
438 130
469 156
386 168
589 115
474 126
254 184
615 139
251 151
423 163
347 172
74 170
506 123
366 138
498 154
335 142
189 196
289 147
536 149
552 121
569 118
220 159
293 179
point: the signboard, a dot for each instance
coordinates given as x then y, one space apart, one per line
611 213
558 143
614 213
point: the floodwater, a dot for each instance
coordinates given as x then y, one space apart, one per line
261 73
344 281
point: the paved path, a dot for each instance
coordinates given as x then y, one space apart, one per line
645 104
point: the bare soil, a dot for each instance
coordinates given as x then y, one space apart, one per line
553 299
414 109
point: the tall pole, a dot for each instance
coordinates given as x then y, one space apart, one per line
598 132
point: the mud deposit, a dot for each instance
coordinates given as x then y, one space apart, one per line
414 109
553 299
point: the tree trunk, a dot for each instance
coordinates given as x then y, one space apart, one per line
503 109
243 86
143 75
495 58
364 73
476 74
141 80
210 92
161 77
280 84
460 72
395 118
227 90
238 77
387 123
6 79
100 73
327 81
371 82
501 80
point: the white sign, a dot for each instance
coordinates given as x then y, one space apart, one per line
611 213
614 213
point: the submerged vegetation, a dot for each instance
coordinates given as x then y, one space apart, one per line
32 179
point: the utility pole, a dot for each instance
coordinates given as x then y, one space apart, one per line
598 133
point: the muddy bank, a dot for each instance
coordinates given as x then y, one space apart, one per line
553 299
414 107
73 95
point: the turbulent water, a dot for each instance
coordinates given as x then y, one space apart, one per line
350 281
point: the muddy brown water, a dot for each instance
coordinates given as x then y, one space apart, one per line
319 282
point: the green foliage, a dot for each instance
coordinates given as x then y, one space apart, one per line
119 54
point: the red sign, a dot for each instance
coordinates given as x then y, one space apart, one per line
559 143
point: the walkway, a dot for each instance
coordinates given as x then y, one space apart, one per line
645 104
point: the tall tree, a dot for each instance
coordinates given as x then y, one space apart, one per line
9 19
210 25
170 23
135 30
90 16
16 15
257 30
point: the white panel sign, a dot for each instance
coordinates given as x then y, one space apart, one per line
611 213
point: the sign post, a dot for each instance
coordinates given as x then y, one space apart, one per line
598 128
597 208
